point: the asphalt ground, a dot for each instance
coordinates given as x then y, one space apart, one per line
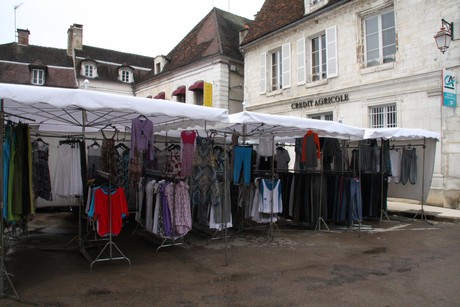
401 262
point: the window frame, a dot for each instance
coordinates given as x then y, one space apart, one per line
278 62
322 58
329 57
381 59
322 116
198 97
89 70
383 118
38 76
276 68
125 75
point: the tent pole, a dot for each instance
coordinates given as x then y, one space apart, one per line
320 213
225 205
382 211
80 215
4 274
422 210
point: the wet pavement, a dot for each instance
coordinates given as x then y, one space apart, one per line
391 263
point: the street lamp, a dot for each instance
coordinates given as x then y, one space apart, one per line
444 36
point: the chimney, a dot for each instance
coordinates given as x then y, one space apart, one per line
23 37
74 38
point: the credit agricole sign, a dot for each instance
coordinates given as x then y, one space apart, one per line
320 101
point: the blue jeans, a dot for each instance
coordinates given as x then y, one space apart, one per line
356 204
242 159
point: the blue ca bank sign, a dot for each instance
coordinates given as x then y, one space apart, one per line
449 88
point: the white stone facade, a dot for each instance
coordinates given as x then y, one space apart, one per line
411 83
225 76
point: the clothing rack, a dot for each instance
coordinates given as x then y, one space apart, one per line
173 240
421 212
110 245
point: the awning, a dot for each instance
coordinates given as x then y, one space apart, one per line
179 91
198 85
160 95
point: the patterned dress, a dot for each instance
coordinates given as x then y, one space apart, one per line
41 181
204 187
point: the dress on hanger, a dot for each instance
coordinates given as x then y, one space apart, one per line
188 148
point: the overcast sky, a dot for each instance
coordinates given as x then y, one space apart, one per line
137 26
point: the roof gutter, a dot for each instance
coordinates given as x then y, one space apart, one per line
294 24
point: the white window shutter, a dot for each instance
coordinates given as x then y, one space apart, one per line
286 65
331 52
301 63
263 73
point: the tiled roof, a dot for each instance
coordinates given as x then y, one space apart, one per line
217 33
117 57
29 54
15 60
276 14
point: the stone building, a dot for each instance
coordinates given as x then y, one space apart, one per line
367 63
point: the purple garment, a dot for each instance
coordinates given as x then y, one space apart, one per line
166 213
142 137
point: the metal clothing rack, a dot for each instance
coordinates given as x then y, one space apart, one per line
421 212
173 240
110 245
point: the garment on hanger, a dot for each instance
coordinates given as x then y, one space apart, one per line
94 159
409 165
142 137
110 208
188 138
395 158
266 146
311 149
173 163
282 158
41 180
332 154
242 161
108 153
204 187
19 199
67 180
121 160
178 198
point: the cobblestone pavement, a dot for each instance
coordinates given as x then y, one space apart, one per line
402 262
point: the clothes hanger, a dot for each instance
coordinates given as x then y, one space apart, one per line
121 145
39 140
95 144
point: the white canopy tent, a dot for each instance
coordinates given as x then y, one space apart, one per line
254 124
424 142
68 111
60 110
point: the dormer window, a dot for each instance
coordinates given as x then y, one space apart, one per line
38 76
313 5
159 63
125 74
89 69
37 73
